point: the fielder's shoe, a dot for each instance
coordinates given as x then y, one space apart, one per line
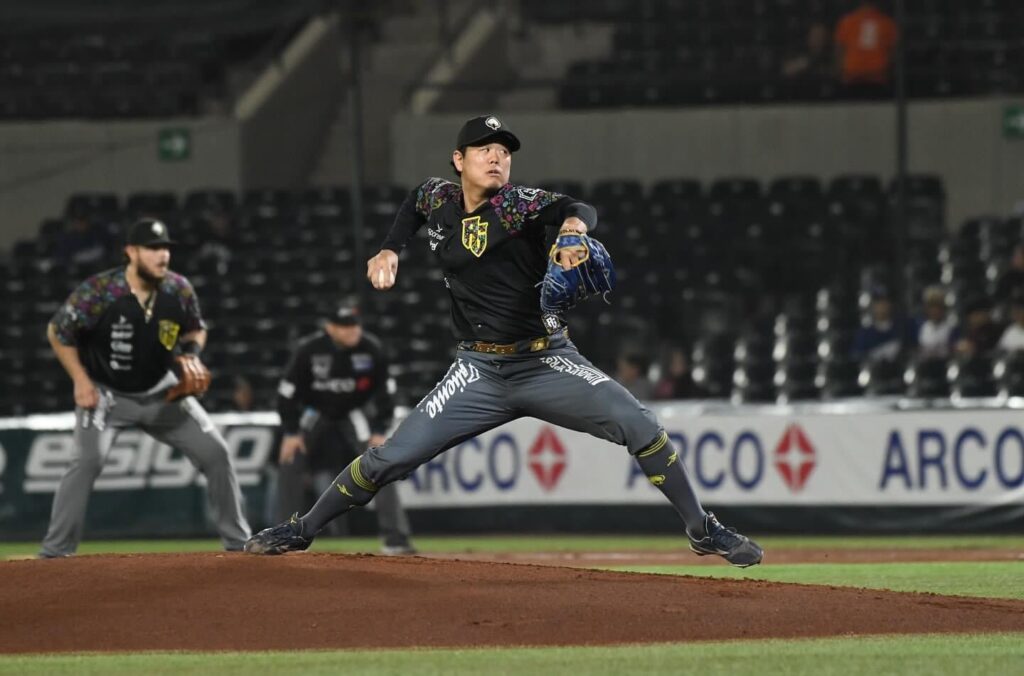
287 537
398 548
739 550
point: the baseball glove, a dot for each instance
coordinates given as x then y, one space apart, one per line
193 377
593 275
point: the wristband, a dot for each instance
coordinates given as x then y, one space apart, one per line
191 347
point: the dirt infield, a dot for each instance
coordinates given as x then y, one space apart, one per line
240 602
683 557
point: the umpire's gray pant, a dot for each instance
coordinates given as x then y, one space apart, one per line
336 439
183 424
481 391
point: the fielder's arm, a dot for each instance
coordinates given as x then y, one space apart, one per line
197 337
86 394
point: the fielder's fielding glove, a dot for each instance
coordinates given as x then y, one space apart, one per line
193 377
593 275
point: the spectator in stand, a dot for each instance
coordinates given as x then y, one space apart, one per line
865 39
981 333
676 381
243 398
881 338
1011 281
937 333
815 60
1012 339
632 374
81 242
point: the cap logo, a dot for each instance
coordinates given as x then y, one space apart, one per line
493 123
158 229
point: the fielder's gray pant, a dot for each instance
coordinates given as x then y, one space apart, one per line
183 424
481 391
325 437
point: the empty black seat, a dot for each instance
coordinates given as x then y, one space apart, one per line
884 377
973 377
927 378
151 204
1009 373
797 381
838 378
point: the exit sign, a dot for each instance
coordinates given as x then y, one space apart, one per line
174 145
1013 122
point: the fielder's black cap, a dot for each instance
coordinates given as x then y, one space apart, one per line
347 314
486 128
149 232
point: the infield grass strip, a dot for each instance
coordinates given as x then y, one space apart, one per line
993 579
546 543
921 655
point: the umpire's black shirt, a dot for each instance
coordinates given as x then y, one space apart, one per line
493 257
334 380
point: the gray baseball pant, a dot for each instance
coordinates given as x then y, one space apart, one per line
482 391
183 424
337 436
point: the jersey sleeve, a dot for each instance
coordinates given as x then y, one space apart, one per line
190 302
82 310
293 390
416 209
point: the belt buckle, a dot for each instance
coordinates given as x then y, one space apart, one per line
539 344
509 348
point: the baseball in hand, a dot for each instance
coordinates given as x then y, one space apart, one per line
385 278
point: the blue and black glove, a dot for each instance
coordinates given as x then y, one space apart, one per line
592 275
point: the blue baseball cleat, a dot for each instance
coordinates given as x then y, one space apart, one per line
739 550
283 538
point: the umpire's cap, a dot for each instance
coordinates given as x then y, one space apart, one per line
347 314
486 128
148 232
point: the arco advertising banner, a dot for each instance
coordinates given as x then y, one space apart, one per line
969 463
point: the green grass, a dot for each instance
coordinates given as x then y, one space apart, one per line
929 655
553 543
997 579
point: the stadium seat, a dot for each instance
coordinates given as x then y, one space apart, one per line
927 379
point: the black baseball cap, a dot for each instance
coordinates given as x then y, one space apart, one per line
149 232
486 128
347 314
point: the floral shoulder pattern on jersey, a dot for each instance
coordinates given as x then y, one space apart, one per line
434 193
86 304
516 204
182 290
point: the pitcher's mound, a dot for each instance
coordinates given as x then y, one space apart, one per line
243 602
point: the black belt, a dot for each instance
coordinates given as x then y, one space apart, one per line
519 347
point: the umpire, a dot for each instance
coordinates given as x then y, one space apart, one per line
130 339
332 374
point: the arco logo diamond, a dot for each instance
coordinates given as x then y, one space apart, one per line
546 459
795 458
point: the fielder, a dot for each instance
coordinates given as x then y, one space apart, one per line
130 340
493 240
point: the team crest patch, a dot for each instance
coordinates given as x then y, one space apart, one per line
474 235
321 365
168 333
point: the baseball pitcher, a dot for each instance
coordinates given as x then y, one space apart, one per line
514 260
